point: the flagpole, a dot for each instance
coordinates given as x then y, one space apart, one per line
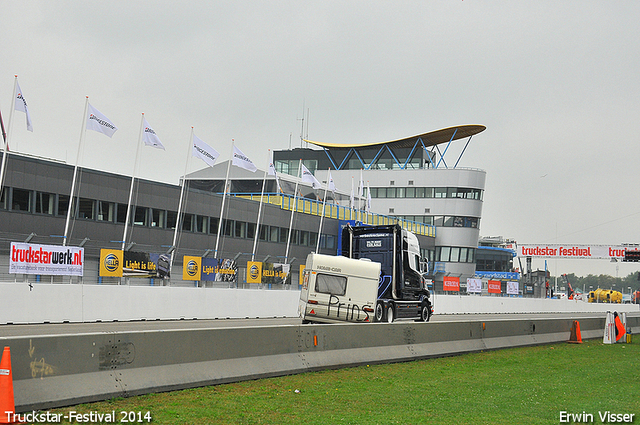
293 210
133 177
324 203
75 171
224 195
255 238
5 152
182 185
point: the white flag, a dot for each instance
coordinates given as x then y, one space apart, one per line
332 186
352 203
21 105
149 136
242 161
360 186
98 122
272 172
204 152
308 177
368 207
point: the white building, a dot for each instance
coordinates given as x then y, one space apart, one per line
409 178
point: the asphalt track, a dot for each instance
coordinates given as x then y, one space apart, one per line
53 329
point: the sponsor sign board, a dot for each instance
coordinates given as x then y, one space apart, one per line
111 261
474 285
572 251
512 288
451 283
191 268
29 258
494 287
254 272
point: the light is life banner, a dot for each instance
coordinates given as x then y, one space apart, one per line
30 258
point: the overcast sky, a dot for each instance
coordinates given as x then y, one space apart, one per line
556 83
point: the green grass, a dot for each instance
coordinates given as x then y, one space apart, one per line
528 385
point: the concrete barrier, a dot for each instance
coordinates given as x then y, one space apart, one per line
58 303
53 371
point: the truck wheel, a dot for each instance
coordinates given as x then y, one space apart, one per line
425 314
390 314
379 312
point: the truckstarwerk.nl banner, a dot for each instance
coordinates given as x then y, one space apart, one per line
28 258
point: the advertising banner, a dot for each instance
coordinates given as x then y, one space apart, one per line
512 288
275 273
494 287
451 283
191 268
209 269
301 275
29 258
111 261
227 270
572 251
474 286
254 272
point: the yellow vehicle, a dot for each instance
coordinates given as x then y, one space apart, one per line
605 296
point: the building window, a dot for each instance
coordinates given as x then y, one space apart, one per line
106 211
21 200
158 218
213 225
3 198
240 229
228 227
251 230
187 222
86 208
140 216
172 219
201 224
121 213
45 203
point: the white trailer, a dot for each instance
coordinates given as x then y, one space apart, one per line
338 289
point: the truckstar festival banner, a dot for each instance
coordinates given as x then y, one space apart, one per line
28 258
572 251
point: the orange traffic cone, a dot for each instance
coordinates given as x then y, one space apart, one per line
575 337
7 404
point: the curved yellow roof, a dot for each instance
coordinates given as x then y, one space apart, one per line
429 139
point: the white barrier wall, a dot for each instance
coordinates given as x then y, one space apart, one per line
20 303
90 303
471 304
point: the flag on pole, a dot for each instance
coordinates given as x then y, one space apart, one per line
204 152
368 207
21 105
98 122
360 187
352 203
242 161
272 172
332 186
308 177
150 137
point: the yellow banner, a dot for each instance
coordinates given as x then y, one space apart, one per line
301 275
254 272
111 261
191 268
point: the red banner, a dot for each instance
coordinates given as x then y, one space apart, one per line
494 287
451 283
